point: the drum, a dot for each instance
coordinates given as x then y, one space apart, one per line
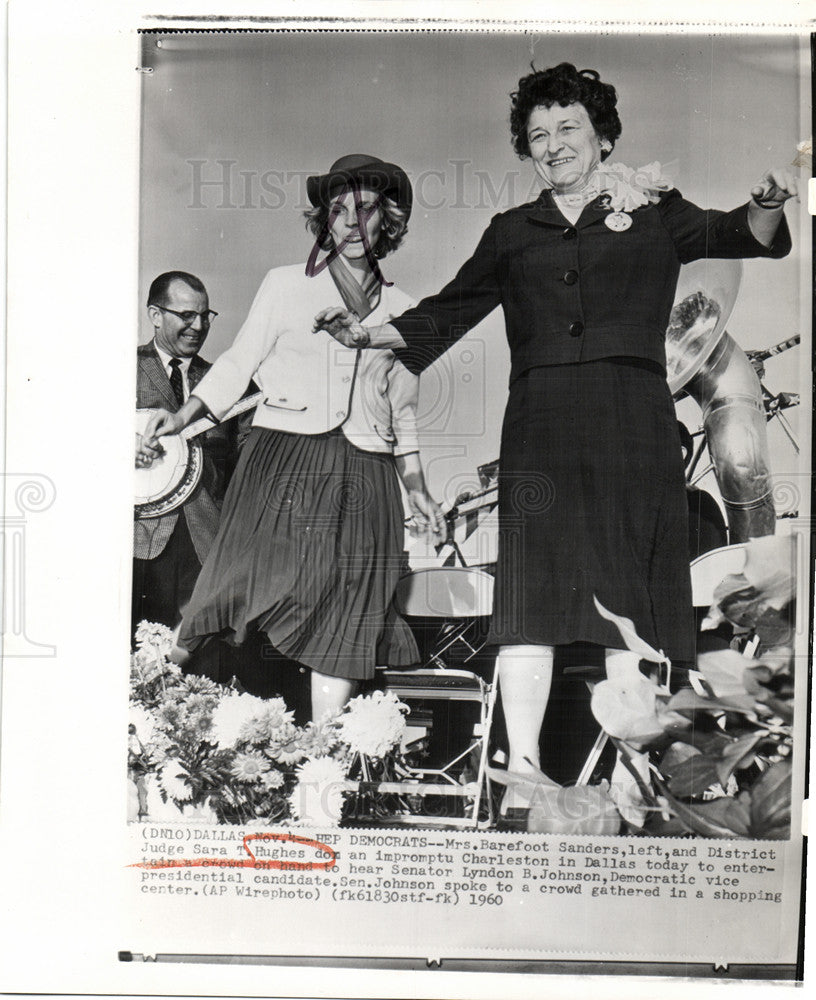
170 480
710 569
445 592
706 293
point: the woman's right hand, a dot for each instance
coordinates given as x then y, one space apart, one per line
343 325
160 424
145 456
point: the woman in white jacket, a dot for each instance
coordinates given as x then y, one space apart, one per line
310 545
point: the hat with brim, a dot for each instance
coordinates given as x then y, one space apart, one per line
367 171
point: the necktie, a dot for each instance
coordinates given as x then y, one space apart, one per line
176 383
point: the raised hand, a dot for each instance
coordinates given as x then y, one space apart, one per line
776 186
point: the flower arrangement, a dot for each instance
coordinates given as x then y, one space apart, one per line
206 752
713 758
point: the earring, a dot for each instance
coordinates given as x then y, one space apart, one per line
606 146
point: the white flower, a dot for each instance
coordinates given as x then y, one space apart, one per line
373 724
173 778
143 722
232 714
630 189
157 637
317 799
268 722
159 810
272 780
250 767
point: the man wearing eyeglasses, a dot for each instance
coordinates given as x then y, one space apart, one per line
168 550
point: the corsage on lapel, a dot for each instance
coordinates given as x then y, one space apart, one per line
624 189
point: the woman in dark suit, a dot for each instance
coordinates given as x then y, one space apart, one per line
591 487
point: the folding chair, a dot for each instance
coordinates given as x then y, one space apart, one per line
458 597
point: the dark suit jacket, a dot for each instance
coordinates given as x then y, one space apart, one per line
203 509
578 293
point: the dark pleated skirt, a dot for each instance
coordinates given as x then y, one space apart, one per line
309 551
592 501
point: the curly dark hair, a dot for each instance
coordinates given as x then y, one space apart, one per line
564 84
394 226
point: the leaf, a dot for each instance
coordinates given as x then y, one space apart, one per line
626 627
771 801
764 588
722 818
770 567
694 776
627 709
755 677
784 709
657 826
574 809
676 755
704 740
689 701
723 670
736 754
775 627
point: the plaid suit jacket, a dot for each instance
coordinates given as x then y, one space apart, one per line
203 509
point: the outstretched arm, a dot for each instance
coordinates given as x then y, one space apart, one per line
420 335
347 328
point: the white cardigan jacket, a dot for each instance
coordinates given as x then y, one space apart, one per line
311 383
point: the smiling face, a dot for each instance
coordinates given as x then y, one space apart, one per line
344 227
172 334
564 146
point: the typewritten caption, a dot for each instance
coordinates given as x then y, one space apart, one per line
443 868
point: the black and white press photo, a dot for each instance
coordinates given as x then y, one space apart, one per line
464 599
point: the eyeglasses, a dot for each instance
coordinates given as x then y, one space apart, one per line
189 316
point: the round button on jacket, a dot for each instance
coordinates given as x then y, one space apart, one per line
576 328
570 277
569 233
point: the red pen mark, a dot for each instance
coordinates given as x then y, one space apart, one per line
362 216
252 861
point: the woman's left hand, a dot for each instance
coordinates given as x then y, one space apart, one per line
427 517
775 188
343 325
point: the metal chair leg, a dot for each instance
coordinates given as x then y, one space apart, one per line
487 725
592 760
